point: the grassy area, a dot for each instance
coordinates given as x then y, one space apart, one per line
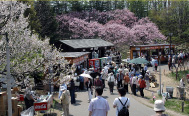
175 105
180 74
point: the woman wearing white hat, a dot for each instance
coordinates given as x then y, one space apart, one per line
159 108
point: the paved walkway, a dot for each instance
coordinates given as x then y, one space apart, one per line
81 106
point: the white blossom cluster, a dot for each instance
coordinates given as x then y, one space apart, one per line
27 52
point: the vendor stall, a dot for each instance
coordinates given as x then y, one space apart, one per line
76 58
102 61
44 103
95 63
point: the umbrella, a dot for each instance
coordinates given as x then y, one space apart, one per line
138 61
86 75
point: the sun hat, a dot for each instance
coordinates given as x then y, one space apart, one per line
159 105
97 77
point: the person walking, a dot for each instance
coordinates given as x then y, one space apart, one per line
120 101
134 84
98 83
98 105
173 62
119 79
89 84
72 91
65 100
159 108
81 85
131 83
145 68
103 77
156 66
142 85
111 80
147 77
126 81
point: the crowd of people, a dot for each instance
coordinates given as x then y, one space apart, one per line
180 59
120 76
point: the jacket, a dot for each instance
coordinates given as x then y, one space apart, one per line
141 83
65 97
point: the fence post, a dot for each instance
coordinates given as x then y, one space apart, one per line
183 106
164 71
176 73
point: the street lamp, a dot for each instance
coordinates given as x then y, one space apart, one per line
8 75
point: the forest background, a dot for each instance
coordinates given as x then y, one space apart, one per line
84 19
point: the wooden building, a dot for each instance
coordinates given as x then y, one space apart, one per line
152 51
77 58
98 46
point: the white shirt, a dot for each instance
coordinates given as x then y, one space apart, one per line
99 106
111 78
106 69
181 55
119 105
104 75
134 80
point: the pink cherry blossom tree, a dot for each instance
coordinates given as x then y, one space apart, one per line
116 33
146 32
118 26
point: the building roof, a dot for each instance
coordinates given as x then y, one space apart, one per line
151 45
86 43
73 54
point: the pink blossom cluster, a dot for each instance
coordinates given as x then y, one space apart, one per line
118 26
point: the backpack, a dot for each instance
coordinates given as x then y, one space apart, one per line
124 111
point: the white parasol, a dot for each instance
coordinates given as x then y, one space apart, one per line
86 75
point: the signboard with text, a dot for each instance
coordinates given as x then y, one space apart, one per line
44 104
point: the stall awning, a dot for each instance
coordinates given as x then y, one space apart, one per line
75 57
73 54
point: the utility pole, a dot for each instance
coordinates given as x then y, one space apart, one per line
160 75
8 75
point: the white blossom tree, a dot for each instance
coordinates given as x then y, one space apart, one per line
27 52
